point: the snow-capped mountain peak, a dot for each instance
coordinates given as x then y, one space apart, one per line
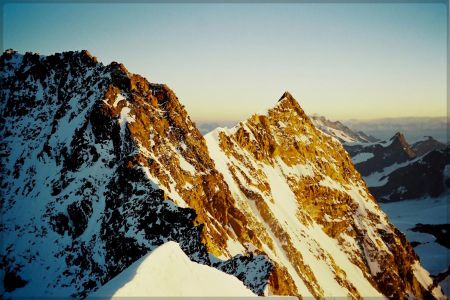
100 167
331 238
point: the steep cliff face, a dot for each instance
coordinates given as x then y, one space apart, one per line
99 167
326 232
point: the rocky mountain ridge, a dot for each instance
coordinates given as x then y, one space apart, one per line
341 132
385 153
427 145
423 177
90 156
100 167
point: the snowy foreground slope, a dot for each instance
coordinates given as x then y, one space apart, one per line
99 167
168 272
323 225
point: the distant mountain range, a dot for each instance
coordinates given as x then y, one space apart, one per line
206 127
414 128
395 170
341 132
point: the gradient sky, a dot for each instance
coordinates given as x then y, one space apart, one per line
227 61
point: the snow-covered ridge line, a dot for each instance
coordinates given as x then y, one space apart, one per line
168 272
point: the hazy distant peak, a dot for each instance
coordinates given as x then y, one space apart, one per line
400 138
339 131
398 135
427 145
429 138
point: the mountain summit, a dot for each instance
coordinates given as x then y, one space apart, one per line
100 167
315 217
286 95
399 140
394 170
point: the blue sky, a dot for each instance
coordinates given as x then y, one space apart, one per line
227 61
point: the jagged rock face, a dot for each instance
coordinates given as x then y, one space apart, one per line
420 178
394 151
341 132
314 216
90 155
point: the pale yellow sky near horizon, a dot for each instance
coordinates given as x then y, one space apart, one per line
228 61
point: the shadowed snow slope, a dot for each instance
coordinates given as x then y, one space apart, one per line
168 272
